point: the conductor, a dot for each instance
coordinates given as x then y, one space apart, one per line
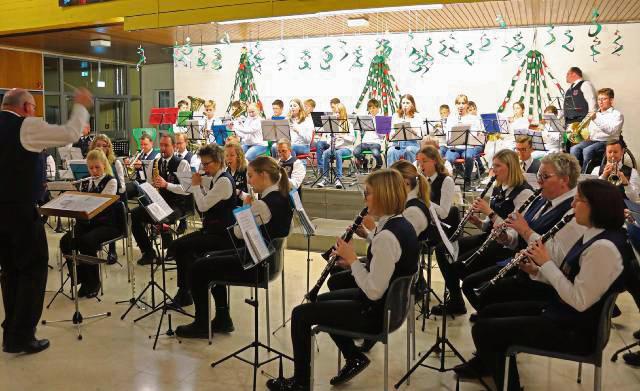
23 245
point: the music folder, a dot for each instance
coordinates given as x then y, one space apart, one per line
251 235
305 221
78 205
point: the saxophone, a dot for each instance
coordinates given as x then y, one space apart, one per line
156 171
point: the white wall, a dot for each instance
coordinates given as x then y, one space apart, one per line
154 77
486 82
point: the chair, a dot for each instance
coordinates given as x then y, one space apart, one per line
397 307
122 215
275 267
309 157
595 357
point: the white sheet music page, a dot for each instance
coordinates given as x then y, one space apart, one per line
158 208
76 202
297 204
251 234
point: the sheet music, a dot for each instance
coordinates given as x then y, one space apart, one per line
70 153
76 202
310 230
251 234
159 209
532 179
443 236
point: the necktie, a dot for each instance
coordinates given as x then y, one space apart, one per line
429 180
179 156
92 188
164 167
524 166
546 208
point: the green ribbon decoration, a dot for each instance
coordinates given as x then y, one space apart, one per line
225 39
485 43
306 56
566 47
552 37
501 22
357 54
619 47
216 62
343 48
178 55
201 63
594 20
325 65
283 58
255 57
380 83
452 46
467 58
594 50
518 46
509 51
444 48
143 58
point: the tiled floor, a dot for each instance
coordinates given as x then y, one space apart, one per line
117 354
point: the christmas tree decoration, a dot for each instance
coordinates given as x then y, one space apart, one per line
501 22
226 40
343 49
619 47
325 64
485 43
594 50
552 37
566 46
535 86
143 58
255 57
380 83
306 56
201 63
443 49
216 62
283 58
244 87
594 21
357 54
467 58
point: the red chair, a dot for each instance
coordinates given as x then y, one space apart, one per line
311 156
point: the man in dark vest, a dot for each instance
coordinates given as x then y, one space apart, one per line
295 168
182 152
524 148
579 99
85 140
23 244
629 181
169 188
142 165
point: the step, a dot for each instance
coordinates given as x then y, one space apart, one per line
327 230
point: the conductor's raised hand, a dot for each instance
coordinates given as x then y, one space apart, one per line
83 97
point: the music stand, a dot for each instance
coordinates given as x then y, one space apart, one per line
435 127
536 138
555 126
332 126
78 206
316 117
274 130
461 135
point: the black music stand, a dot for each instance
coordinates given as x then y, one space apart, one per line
536 138
556 126
462 135
403 131
362 124
332 126
435 127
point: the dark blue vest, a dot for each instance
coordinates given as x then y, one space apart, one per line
575 105
220 216
420 205
107 216
544 223
83 143
40 178
174 200
281 215
24 164
288 167
240 181
502 204
436 188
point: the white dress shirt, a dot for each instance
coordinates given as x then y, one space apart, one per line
385 253
414 215
600 266
372 137
51 167
120 175
206 198
346 140
298 172
111 187
260 210
474 121
301 132
183 168
589 94
527 164
632 190
36 134
194 162
606 126
517 203
207 125
552 138
250 131
446 196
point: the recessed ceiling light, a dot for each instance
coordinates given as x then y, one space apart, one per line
104 43
357 22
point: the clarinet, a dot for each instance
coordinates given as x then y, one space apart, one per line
332 259
520 258
467 216
499 230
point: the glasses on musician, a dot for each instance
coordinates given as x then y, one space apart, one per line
543 177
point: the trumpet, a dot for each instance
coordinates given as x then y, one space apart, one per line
131 170
467 216
522 257
614 177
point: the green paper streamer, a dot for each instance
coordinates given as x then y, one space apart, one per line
216 61
619 47
142 60
255 57
485 43
244 88
343 49
509 51
380 84
178 55
444 48
357 54
325 65
452 46
201 63
594 50
283 58
225 39
306 56
518 46
552 37
566 46
467 58
594 20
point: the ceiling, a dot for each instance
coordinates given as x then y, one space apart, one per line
474 15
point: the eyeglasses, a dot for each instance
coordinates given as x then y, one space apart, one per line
204 164
543 177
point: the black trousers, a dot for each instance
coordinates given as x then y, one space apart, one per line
520 323
24 257
516 286
342 309
88 237
132 190
454 272
140 218
187 248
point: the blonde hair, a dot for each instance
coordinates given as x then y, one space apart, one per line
210 104
242 162
96 155
432 153
277 174
111 156
462 98
284 141
510 158
388 190
302 115
410 173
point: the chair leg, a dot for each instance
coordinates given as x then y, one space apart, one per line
409 346
597 378
386 366
312 361
505 383
268 319
283 296
209 312
579 379
339 361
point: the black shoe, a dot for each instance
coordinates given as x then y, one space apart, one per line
33 346
636 334
366 346
472 369
92 290
147 258
452 309
350 370
222 323
632 358
282 384
182 298
192 330
82 291
112 258
473 317
182 227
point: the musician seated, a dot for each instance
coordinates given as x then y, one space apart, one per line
406 113
216 201
301 127
208 122
237 168
342 147
89 235
628 182
169 188
589 273
181 151
371 141
250 132
393 253
275 214
309 106
551 133
141 166
434 142
296 171
524 149
509 193
557 177
606 125
277 106
85 140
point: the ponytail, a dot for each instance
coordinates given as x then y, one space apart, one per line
424 190
283 184
276 173
410 173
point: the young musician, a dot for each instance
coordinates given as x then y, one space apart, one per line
301 127
216 202
445 112
551 132
434 142
169 188
250 132
277 106
393 253
182 140
90 234
606 125
442 186
209 121
343 145
323 140
472 108
371 140
588 274
509 192
85 140
518 121
274 211
309 106
237 168
141 165
183 105
405 149
296 171
524 149
629 181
